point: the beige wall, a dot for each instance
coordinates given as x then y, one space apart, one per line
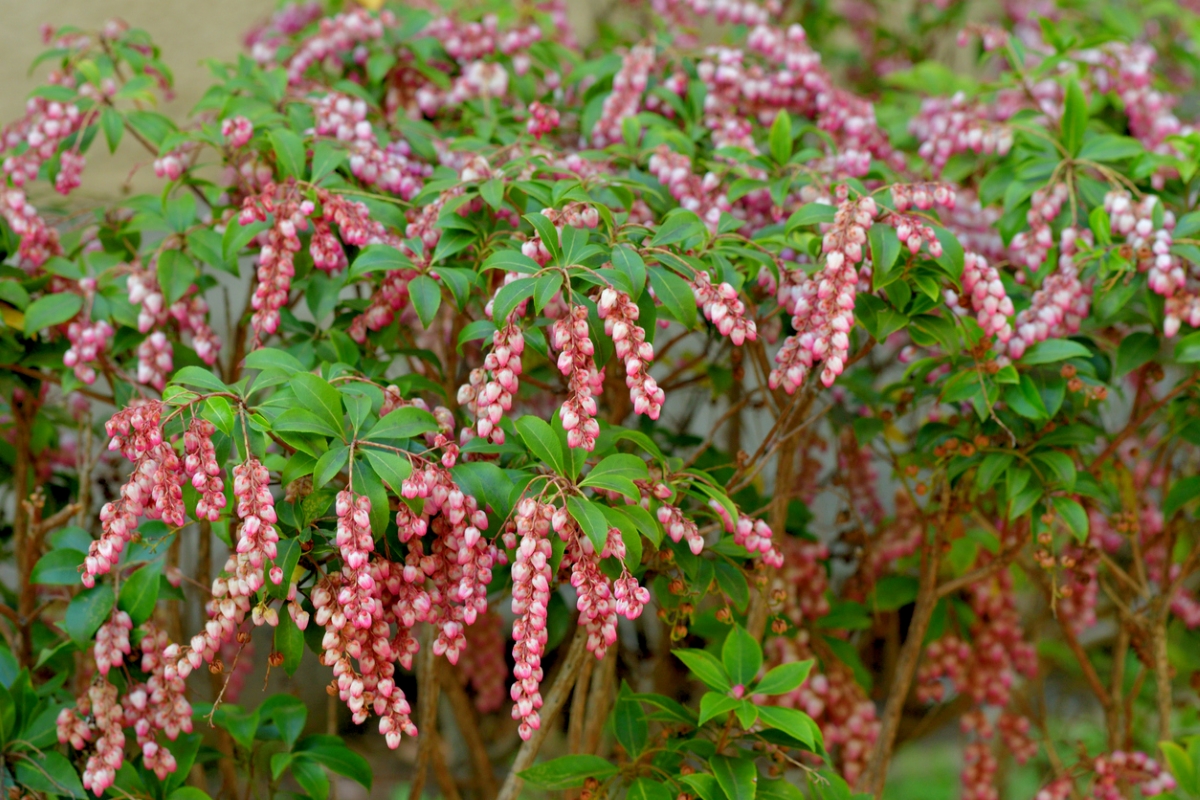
189 31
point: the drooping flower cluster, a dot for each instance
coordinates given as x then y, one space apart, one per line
531 577
489 399
575 361
276 266
724 309
1059 306
620 315
823 305
946 126
985 292
201 465
102 707
625 100
698 194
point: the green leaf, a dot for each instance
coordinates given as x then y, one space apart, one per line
1179 763
885 249
810 214
704 785
627 260
151 125
796 724
511 261
542 442
311 777
289 714
511 295
50 773
675 295
301 420
737 777
219 412
715 704
114 128
139 593
378 258
678 226
53 309
1060 466
785 678
1110 147
548 233
648 789
1187 349
1054 350
492 192
617 473
59 567
1074 118
1182 492
629 724
289 153
188 792
241 725
781 138
199 379
406 422
318 396
741 656
326 158
544 289
1073 515
705 666
591 520
1135 350
333 753
568 772
991 468
392 468
289 640
87 613
426 298
330 463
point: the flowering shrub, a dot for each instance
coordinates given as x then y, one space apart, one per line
699 423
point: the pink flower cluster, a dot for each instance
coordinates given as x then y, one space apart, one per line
1057 308
542 120
724 309
158 704
112 642
1121 768
625 100
620 315
1152 246
103 707
945 662
46 124
237 131
680 527
89 340
948 126
1029 248
39 242
701 195
575 361
488 399
276 257
201 465
823 305
531 578
985 292
338 36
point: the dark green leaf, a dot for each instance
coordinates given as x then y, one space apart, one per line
403 423
591 520
542 442
737 777
53 309
318 396
289 153
568 772
139 593
785 678
426 297
675 295
1074 118
59 567
706 667
87 613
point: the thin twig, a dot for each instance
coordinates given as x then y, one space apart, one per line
468 726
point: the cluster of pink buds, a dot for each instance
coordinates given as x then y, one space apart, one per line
824 309
701 195
620 315
1121 768
628 86
542 120
171 165
46 124
39 242
237 131
680 528
945 662
275 259
159 704
482 662
948 126
724 309
752 534
88 341
191 314
1060 305
104 708
1030 248
1182 307
491 398
155 360
979 762
923 196
144 293
338 36
593 592
531 578
201 465
356 542
1014 731
1152 247
257 536
112 642
575 361
985 291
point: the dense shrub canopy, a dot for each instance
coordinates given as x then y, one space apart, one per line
704 411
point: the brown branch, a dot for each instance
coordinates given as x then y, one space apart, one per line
441 771
600 695
427 703
906 666
555 699
468 726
